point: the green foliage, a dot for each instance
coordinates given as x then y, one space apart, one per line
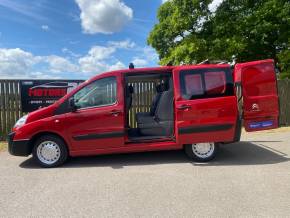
188 32
284 58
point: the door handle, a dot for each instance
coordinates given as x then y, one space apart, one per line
184 107
115 112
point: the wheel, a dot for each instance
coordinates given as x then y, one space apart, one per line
50 151
201 152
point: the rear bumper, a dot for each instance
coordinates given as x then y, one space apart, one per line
19 147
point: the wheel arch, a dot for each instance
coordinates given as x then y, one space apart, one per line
40 134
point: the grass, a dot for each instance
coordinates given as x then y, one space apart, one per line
3 146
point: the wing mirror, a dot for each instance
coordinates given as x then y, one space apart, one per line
72 105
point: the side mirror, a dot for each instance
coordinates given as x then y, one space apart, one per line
72 105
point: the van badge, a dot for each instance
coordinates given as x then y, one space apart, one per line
255 107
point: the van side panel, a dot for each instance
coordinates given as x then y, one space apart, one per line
208 120
205 119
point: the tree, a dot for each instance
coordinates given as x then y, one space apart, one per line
188 32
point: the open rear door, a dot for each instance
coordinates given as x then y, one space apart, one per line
260 98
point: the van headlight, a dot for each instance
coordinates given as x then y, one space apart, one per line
21 121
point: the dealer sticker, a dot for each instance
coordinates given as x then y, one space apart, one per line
262 124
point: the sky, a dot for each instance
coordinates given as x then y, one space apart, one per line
75 39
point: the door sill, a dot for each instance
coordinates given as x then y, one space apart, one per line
142 139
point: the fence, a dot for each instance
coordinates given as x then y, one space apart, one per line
10 106
142 101
284 96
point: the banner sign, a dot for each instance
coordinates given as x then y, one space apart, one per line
36 94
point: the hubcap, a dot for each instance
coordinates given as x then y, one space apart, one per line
203 150
48 152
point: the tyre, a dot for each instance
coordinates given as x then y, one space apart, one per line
50 151
201 152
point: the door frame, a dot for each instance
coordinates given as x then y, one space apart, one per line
140 73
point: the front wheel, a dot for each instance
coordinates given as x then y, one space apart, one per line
201 152
50 151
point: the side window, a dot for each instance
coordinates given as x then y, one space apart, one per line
206 83
215 83
99 93
193 85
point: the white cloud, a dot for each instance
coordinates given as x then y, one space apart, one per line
103 16
163 1
126 44
214 5
146 56
139 62
95 60
70 53
101 52
45 27
150 54
59 64
17 63
117 66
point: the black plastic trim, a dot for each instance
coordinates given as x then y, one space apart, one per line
209 128
63 108
19 147
99 136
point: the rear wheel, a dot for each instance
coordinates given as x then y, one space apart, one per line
50 151
201 152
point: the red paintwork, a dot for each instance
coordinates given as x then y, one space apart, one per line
259 88
202 112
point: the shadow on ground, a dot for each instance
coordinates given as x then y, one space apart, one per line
242 153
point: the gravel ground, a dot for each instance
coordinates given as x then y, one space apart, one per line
247 179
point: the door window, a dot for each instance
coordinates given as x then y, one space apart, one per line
193 84
206 83
99 93
215 83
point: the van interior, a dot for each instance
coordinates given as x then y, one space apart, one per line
149 107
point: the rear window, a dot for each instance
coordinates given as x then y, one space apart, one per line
206 83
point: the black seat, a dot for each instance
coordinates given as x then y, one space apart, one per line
161 122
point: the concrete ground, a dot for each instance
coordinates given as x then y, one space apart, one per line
247 179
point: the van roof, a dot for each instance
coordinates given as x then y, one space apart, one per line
160 69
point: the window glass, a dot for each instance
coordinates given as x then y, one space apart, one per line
193 84
206 83
215 83
98 93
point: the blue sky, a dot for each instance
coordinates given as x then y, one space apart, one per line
74 39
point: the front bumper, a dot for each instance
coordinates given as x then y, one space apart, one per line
19 147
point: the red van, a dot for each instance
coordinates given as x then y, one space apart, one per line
194 108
